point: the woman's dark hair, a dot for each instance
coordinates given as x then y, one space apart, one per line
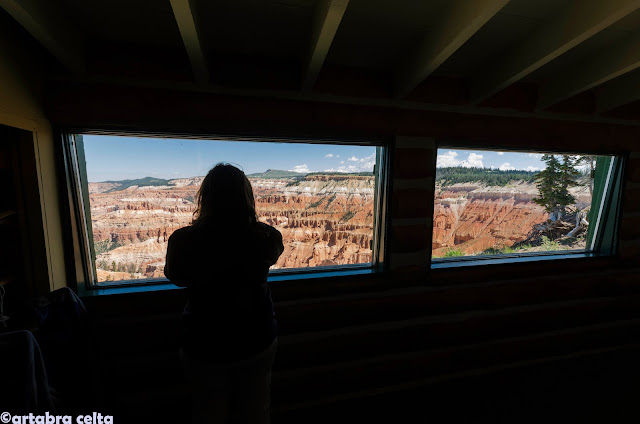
225 197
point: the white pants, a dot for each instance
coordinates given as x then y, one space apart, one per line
237 392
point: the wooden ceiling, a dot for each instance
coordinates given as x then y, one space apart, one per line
564 59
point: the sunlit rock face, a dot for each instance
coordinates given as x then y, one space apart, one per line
324 220
472 217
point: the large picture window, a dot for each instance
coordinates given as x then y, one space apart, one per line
137 191
506 203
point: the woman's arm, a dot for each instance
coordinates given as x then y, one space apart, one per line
277 247
175 268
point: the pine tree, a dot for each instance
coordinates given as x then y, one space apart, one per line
568 176
553 185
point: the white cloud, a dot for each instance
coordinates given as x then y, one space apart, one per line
473 161
447 159
364 164
450 158
337 156
328 155
367 162
303 169
506 167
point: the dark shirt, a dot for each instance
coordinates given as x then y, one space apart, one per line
229 315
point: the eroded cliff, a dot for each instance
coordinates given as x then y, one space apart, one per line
324 220
472 217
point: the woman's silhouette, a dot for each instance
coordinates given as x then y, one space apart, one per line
230 331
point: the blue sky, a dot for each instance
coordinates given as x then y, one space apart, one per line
120 158
490 159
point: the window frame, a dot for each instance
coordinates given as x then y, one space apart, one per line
80 215
605 238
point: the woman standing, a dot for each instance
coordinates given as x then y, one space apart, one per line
223 259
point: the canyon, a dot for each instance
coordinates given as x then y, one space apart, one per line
325 220
471 218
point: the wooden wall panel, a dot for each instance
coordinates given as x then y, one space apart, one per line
412 203
412 325
156 109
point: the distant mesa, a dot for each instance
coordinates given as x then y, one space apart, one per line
275 174
139 182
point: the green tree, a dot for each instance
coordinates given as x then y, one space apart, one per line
553 184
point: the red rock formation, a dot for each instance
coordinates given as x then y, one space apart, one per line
324 220
472 218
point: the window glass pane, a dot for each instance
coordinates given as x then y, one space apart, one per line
320 196
509 203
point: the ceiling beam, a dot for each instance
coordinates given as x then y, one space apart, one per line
184 12
461 20
315 97
599 68
51 27
570 27
326 21
618 92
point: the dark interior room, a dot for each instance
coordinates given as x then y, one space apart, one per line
456 184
